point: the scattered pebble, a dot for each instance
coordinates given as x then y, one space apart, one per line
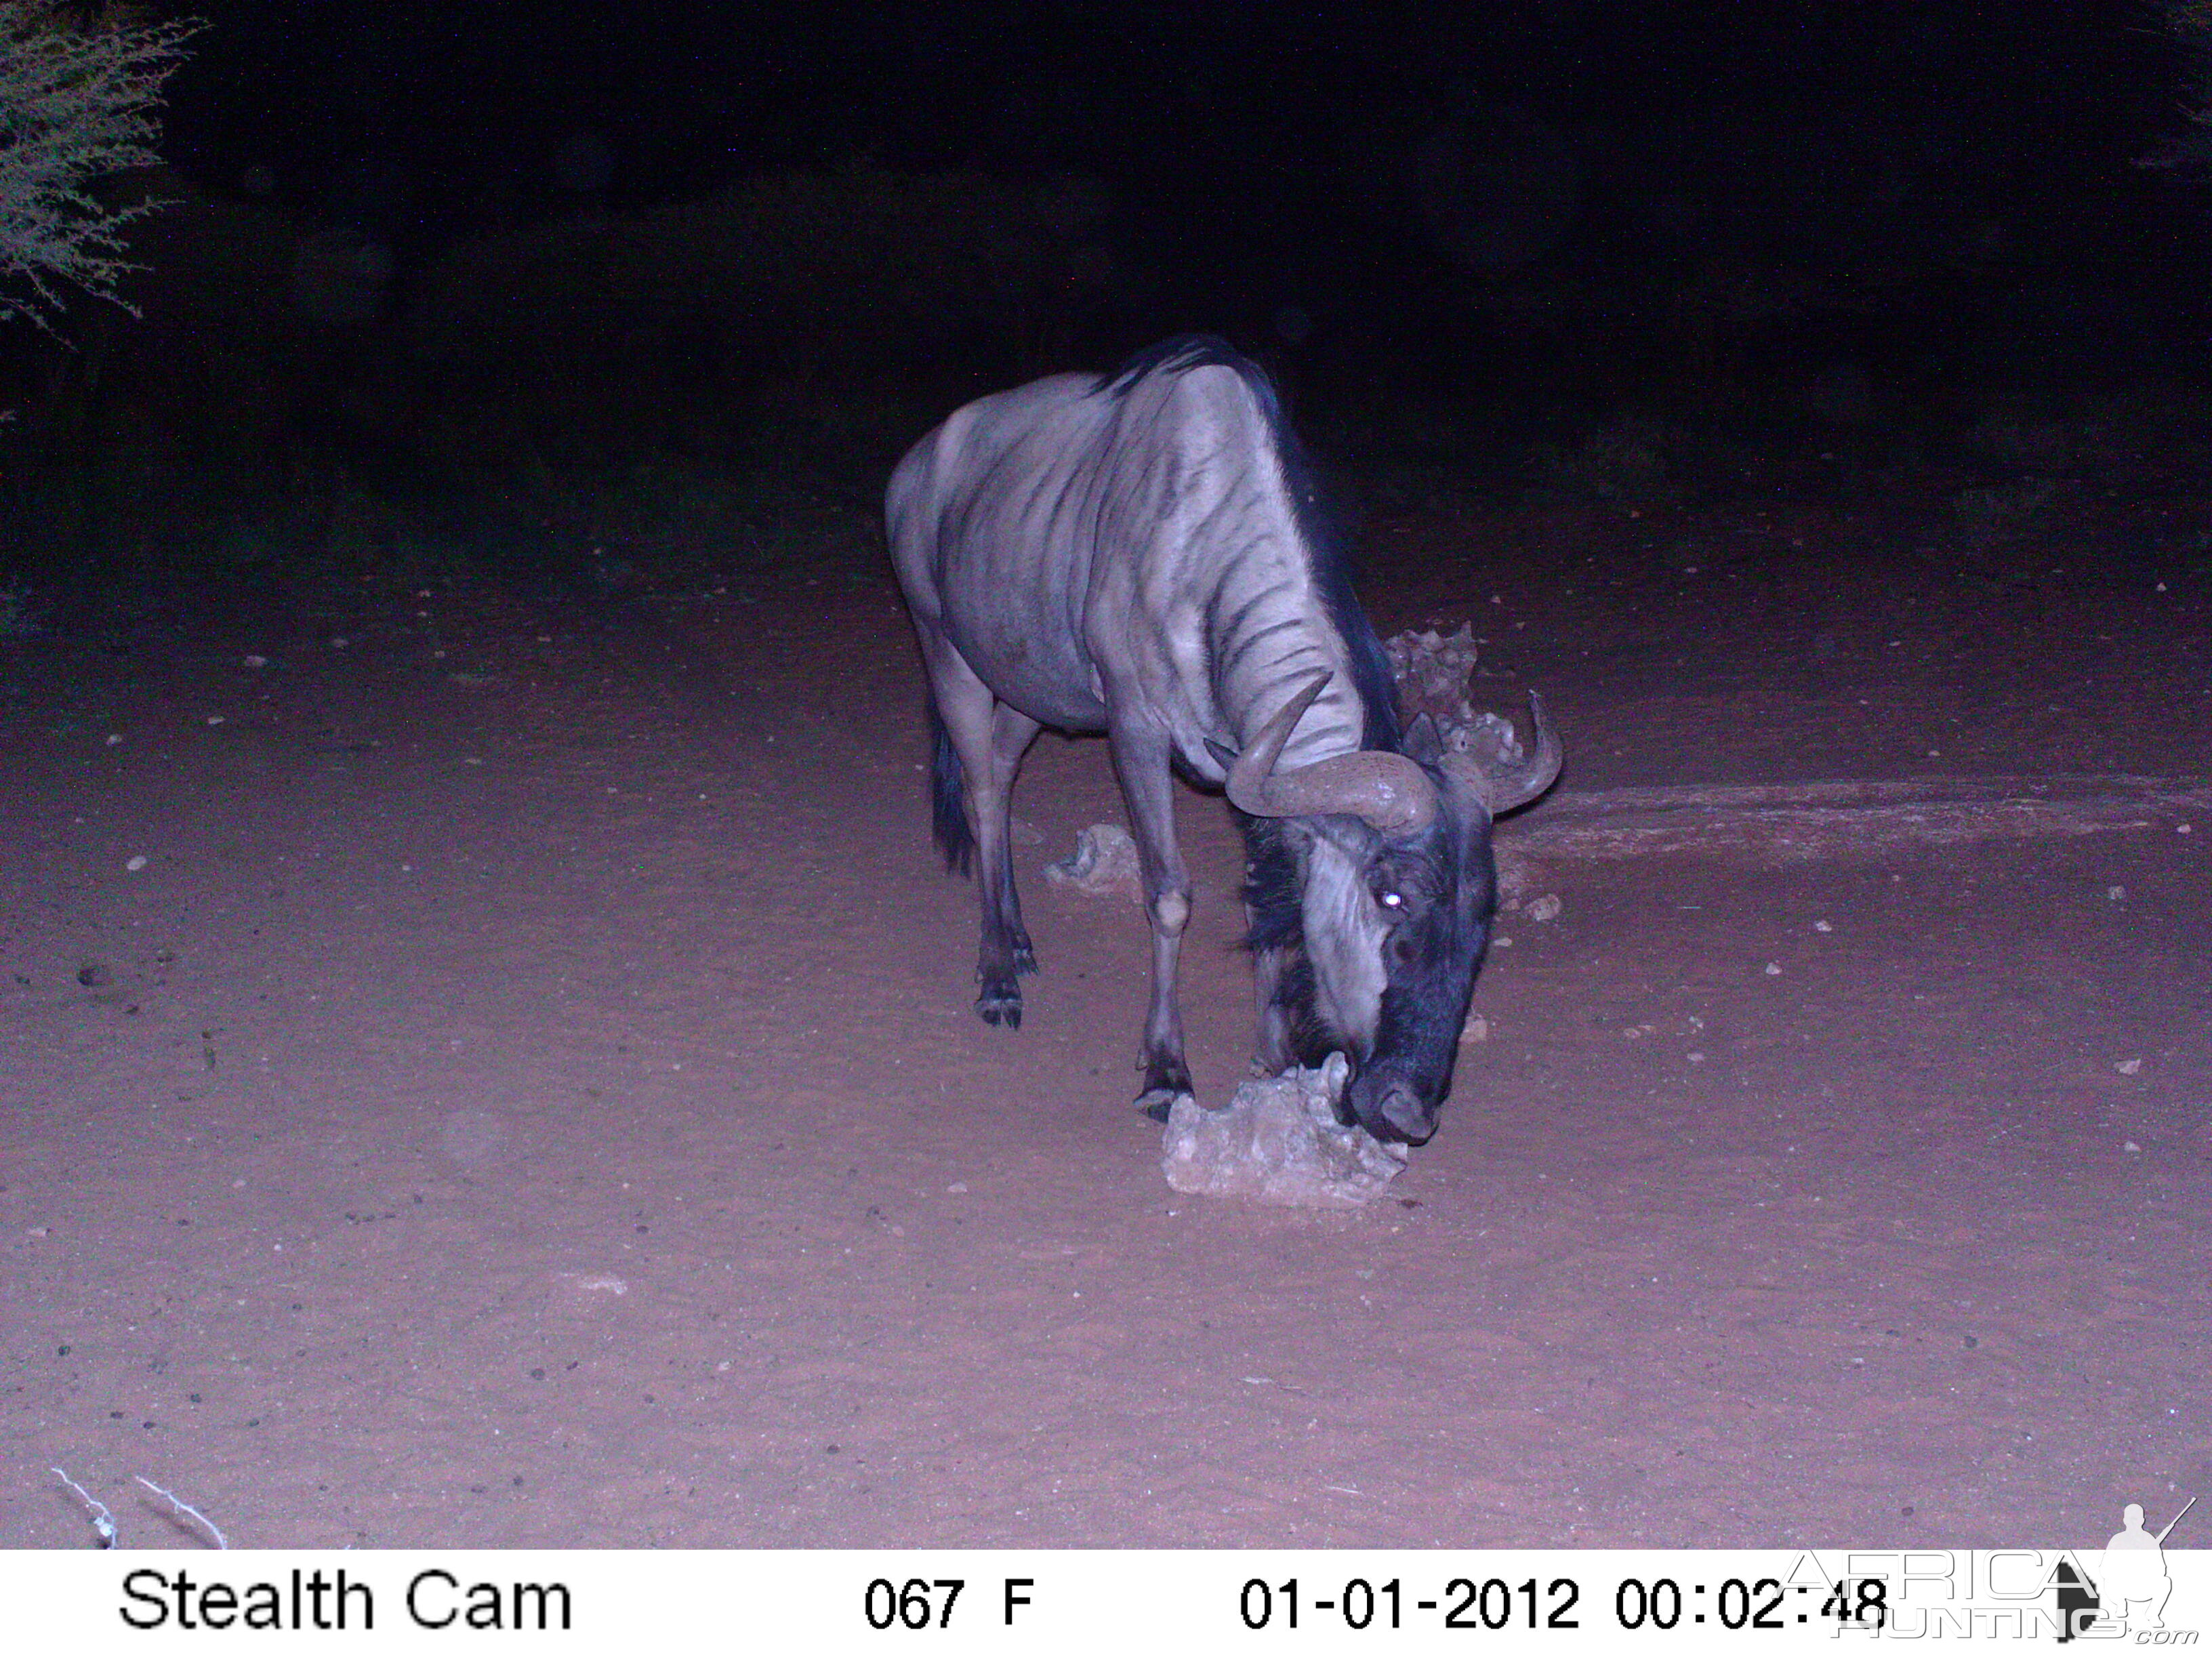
1104 863
1822 927
1695 1058
2127 1067
2116 893
957 1186
136 861
1773 967
1477 1029
1546 908
594 1284
114 737
2181 828
338 642
2130 1146
255 661
1503 942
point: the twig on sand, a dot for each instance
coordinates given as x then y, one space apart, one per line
181 1507
103 1522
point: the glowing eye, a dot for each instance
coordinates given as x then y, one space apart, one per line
1393 900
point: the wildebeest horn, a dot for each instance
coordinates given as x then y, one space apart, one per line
1502 788
1390 791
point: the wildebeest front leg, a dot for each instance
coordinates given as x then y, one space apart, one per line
1142 761
1271 1052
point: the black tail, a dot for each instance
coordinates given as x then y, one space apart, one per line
948 815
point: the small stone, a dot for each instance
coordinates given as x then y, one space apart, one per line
1773 968
2116 893
2127 1067
1104 862
2130 1146
136 861
1822 927
255 661
1546 908
1477 1029
957 1186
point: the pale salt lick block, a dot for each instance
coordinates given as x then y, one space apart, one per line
1278 1141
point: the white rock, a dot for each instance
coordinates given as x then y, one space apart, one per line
1278 1141
1104 862
1546 908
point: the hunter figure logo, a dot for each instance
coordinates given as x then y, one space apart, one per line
2131 1585
2134 1585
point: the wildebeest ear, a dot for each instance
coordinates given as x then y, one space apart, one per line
1423 742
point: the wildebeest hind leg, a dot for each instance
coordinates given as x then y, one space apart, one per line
1011 733
989 738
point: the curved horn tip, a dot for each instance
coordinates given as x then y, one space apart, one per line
1514 786
1247 777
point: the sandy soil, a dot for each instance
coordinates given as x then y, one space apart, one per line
529 1095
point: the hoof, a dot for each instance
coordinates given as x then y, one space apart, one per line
1156 1104
1001 1005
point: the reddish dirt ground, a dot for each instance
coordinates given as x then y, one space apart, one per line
529 1094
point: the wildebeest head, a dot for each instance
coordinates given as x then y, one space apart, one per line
1371 890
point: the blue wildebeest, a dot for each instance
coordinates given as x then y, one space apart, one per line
1145 554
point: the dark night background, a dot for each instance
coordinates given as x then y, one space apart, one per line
489 1049
455 282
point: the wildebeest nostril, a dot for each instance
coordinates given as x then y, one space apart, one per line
1400 1109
